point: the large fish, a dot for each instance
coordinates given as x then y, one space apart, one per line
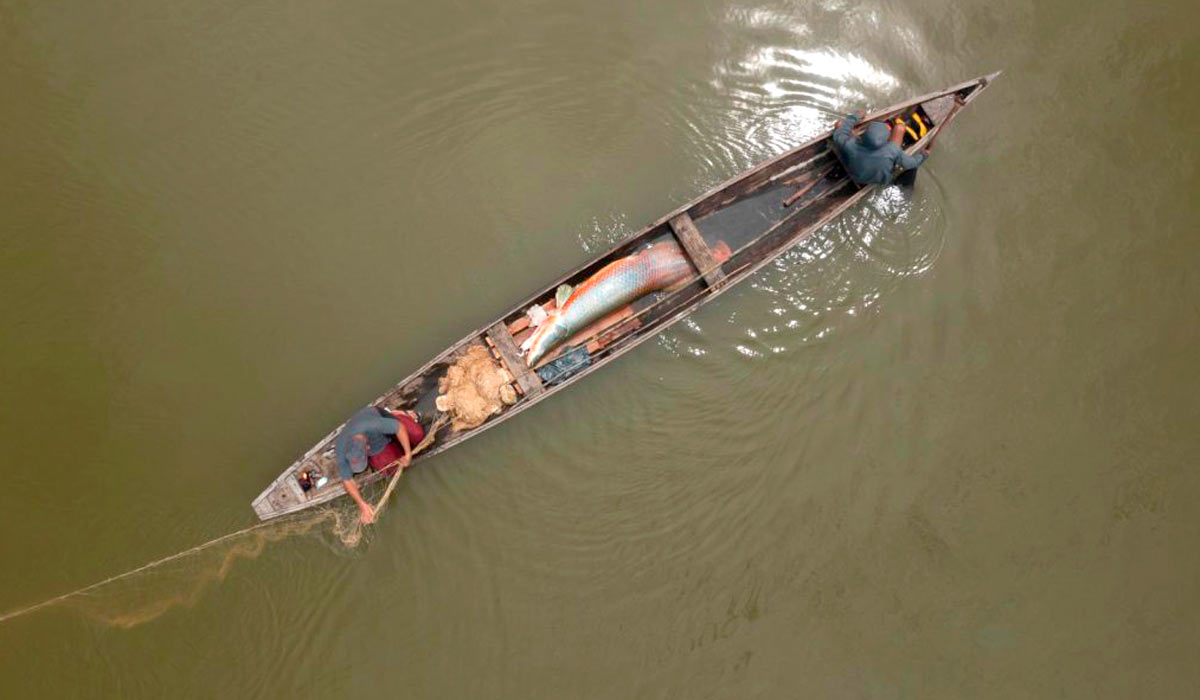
661 266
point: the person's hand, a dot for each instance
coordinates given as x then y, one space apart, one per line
404 461
366 515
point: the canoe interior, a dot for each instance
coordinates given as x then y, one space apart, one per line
747 213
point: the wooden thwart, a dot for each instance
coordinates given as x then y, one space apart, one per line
527 379
689 236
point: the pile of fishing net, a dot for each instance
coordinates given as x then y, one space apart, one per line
474 389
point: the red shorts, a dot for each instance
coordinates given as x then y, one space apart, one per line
394 449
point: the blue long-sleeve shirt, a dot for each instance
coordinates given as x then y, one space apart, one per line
871 158
352 454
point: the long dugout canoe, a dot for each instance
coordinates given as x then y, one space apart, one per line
753 218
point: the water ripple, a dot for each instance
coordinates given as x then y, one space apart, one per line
842 274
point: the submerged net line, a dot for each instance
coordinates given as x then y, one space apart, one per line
132 572
349 537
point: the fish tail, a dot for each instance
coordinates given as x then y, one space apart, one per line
532 343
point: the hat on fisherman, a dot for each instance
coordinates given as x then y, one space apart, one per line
356 453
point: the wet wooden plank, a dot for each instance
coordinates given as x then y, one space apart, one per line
527 379
687 233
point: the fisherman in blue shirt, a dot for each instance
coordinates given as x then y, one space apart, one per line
376 437
873 158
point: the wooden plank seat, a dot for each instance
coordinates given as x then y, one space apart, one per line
692 242
510 355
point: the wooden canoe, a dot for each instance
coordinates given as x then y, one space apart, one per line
747 212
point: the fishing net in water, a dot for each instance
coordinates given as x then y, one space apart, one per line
180 580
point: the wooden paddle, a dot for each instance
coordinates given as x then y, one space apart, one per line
426 442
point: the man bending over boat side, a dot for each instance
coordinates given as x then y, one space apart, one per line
376 437
873 158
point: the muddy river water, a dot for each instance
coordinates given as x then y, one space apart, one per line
948 448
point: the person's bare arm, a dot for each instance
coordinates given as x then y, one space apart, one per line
366 514
402 436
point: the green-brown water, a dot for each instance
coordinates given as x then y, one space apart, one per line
948 449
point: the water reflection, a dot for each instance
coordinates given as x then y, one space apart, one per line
604 232
778 93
